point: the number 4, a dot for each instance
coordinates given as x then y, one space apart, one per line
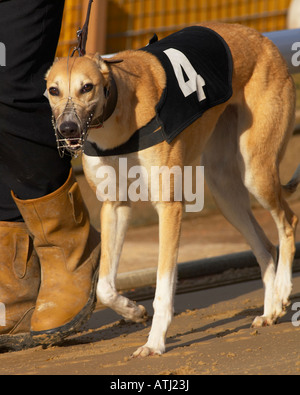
195 82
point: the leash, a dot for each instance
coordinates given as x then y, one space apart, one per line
82 34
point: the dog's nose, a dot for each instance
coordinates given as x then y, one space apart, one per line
69 129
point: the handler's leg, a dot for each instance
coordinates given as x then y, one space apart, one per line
32 168
29 163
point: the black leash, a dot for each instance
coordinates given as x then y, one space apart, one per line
82 34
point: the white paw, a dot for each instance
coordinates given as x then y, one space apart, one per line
120 304
130 310
261 321
145 351
138 314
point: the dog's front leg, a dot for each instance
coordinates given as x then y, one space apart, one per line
114 222
170 214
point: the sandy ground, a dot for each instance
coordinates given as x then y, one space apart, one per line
210 333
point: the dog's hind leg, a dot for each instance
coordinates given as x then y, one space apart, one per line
221 160
286 222
262 147
264 183
250 158
114 222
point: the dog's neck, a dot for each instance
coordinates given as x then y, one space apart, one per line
111 95
138 90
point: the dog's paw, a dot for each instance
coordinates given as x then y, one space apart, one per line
140 314
135 313
280 307
145 351
261 321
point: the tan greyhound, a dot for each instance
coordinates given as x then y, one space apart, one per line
241 140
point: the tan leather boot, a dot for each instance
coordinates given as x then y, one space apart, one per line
19 284
69 253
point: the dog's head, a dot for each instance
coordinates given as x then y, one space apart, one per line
78 90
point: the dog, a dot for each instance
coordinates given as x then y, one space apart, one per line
102 103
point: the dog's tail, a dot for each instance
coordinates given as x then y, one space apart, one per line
292 185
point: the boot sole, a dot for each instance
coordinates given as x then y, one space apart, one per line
55 335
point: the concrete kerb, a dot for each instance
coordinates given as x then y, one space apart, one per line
196 275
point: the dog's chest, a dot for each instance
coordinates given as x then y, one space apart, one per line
111 169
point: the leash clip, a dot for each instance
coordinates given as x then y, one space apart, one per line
82 34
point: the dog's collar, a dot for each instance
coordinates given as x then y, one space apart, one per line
143 138
111 95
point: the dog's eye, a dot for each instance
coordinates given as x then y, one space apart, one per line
87 88
54 91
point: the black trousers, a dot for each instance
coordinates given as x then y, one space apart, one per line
29 161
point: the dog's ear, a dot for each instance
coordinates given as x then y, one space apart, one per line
99 62
103 62
111 60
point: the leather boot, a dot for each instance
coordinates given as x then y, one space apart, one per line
19 284
69 253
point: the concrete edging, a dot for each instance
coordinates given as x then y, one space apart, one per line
204 269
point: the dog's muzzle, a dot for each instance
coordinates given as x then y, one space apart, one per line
70 133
